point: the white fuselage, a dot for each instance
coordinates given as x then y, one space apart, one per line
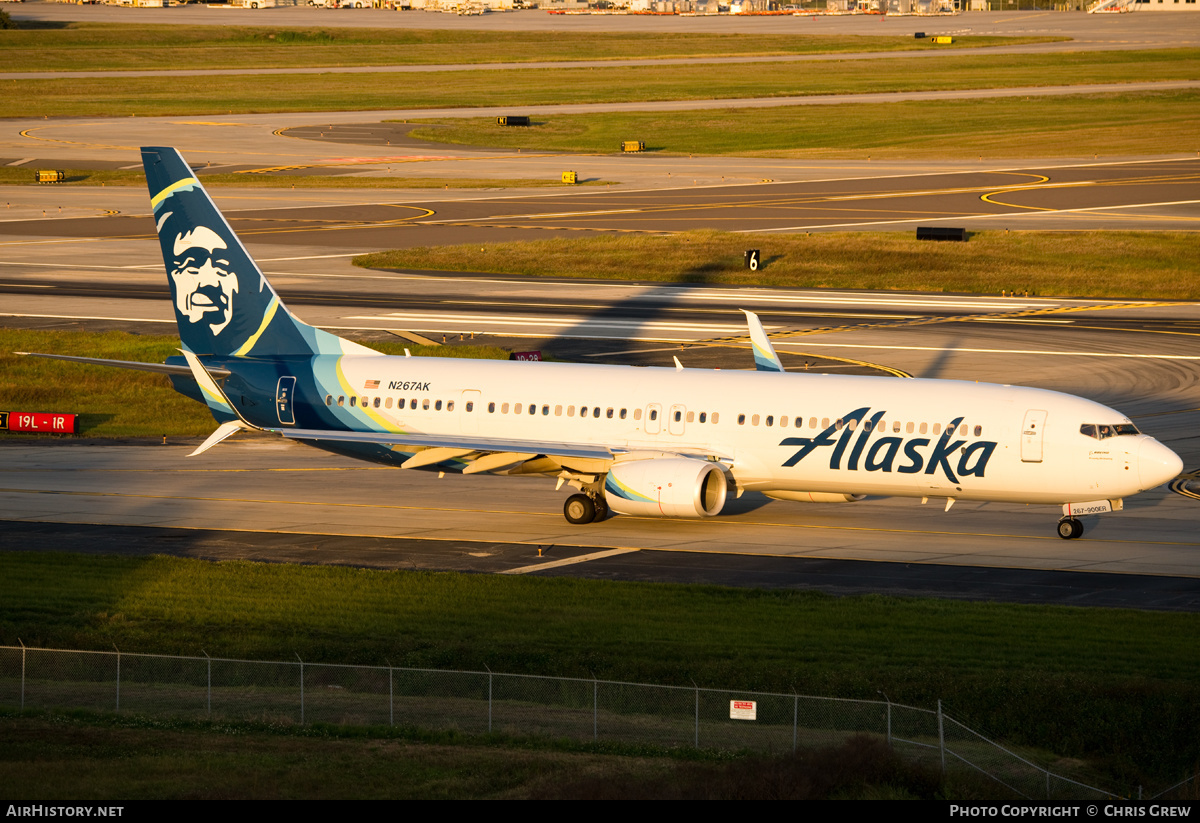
774 431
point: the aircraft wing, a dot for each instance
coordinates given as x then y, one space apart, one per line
467 442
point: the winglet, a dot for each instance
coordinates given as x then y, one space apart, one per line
765 358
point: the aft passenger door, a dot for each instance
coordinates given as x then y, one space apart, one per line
1031 436
284 389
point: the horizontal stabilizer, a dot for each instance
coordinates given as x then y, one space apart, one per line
225 430
159 368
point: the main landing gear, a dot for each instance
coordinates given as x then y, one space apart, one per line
580 509
1069 528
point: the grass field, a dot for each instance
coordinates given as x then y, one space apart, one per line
133 177
1085 264
115 46
1118 688
82 756
1110 124
121 403
538 87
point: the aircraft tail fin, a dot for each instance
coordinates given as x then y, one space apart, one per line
223 304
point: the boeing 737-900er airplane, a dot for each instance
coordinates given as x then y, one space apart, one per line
658 442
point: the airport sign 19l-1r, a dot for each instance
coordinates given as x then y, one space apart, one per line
38 422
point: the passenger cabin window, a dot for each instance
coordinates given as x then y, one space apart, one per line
608 413
623 414
678 416
741 419
754 420
691 416
654 414
470 406
978 431
545 411
450 405
491 408
425 404
353 401
770 420
637 414
387 404
716 417
342 400
329 400
703 415
412 404
596 412
504 409
570 411
558 411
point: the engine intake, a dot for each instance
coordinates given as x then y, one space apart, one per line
666 487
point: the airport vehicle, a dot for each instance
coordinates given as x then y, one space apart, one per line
658 442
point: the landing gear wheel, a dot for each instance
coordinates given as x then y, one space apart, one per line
1069 528
579 509
601 509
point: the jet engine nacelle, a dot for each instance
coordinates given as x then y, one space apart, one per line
666 487
815 497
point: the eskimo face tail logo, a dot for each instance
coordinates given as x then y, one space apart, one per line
202 278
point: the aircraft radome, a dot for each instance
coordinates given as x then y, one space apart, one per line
657 442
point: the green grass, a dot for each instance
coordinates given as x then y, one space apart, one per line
116 402
1108 264
529 88
81 755
1075 125
1119 687
131 177
109 46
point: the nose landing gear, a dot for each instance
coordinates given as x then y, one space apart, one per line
1069 528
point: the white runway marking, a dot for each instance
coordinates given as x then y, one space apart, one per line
583 558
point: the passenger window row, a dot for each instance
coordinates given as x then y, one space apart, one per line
839 424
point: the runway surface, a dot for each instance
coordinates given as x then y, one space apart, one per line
86 258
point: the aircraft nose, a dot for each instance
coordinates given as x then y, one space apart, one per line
1156 463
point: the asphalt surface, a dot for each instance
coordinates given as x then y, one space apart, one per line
86 259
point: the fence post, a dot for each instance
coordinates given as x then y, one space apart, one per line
595 710
795 719
391 698
889 723
118 677
301 688
489 671
22 642
941 737
697 714
209 695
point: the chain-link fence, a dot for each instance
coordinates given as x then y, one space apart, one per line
296 692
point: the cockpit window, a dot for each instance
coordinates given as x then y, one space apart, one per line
1103 431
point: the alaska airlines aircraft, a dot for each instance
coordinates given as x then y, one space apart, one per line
656 442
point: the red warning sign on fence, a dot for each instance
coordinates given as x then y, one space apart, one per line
38 422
